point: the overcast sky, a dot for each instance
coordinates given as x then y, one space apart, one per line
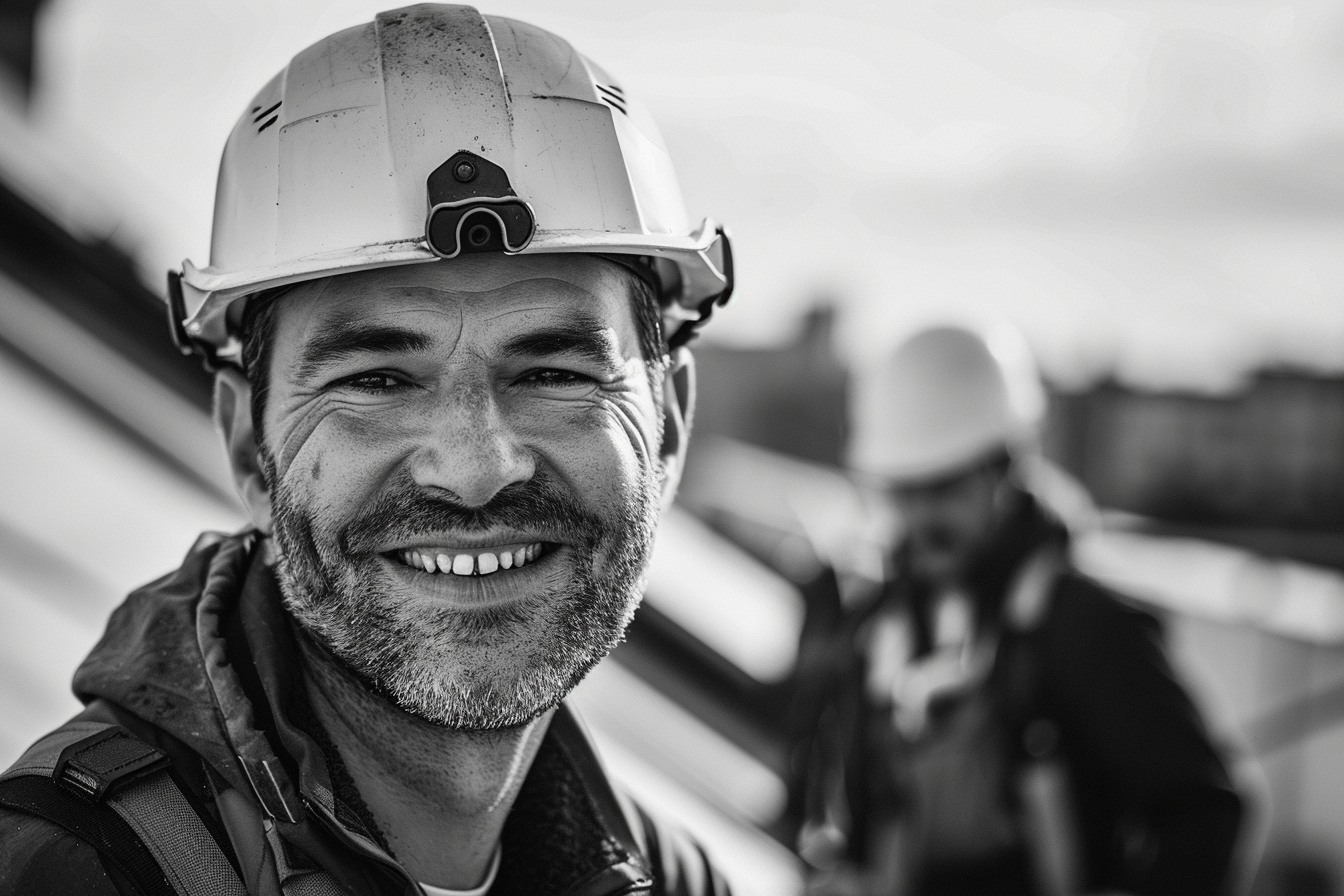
1153 188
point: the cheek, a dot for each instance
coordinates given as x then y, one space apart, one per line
335 455
918 517
293 430
605 446
965 519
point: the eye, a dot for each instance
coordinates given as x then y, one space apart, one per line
553 378
373 381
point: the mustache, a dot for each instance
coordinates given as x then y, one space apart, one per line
936 537
407 511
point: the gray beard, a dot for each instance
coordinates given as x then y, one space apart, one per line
479 669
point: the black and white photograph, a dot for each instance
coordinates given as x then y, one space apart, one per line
608 448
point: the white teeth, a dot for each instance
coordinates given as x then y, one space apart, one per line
483 564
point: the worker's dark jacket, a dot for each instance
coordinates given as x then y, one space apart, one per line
202 664
1155 810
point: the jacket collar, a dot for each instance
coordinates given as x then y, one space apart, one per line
1028 528
207 655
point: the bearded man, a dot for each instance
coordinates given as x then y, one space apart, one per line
451 282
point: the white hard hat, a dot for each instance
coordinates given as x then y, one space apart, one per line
431 131
946 397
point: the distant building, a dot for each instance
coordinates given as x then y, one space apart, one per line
1270 457
790 399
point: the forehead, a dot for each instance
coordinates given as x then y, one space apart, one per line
943 490
506 292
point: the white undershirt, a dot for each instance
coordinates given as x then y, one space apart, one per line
481 890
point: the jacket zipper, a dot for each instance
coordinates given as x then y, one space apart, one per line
363 846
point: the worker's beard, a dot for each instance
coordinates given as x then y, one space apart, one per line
480 668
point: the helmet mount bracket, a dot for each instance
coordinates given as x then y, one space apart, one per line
473 208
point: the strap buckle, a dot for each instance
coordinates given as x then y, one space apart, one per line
102 763
177 328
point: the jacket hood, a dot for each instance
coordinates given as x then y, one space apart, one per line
166 659
151 660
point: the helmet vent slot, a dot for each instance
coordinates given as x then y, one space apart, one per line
258 114
613 96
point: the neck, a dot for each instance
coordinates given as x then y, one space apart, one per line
439 795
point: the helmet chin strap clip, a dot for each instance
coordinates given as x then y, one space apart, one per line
177 327
689 329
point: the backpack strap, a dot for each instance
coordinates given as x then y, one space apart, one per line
113 790
1042 781
1022 672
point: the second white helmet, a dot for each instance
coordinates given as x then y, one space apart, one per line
946 397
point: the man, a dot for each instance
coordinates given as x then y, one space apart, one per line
450 285
1008 726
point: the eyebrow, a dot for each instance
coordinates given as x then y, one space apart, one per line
341 339
585 336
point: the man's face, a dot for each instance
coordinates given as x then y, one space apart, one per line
465 475
948 522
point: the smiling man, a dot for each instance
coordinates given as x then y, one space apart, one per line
466 475
451 282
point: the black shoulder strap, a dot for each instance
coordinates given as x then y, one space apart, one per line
99 826
112 790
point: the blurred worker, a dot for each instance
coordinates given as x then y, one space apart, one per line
1003 724
451 278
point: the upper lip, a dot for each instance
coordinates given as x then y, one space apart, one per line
467 543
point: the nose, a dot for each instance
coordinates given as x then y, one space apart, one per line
469 450
921 515
912 507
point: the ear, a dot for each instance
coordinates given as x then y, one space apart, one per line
233 419
678 407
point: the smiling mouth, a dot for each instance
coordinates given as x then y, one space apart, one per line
468 563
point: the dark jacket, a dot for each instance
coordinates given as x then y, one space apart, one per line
202 665
1156 813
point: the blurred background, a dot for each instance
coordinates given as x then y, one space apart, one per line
1153 192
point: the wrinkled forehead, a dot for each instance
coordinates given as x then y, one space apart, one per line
489 302
950 489
478 285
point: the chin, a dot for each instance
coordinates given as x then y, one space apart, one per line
483 668
485 698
